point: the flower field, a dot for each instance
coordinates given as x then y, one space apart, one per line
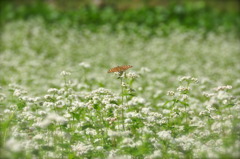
179 100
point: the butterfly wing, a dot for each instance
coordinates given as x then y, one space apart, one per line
119 68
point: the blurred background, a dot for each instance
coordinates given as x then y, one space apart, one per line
150 13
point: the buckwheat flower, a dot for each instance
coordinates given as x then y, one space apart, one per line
97 140
155 114
208 95
156 155
60 104
25 98
222 95
118 133
2 96
127 120
59 133
166 111
146 110
136 143
48 104
132 75
73 108
81 148
61 91
37 99
210 108
133 115
65 73
14 145
59 97
79 104
145 69
185 142
42 112
146 130
109 106
188 79
7 111
194 80
84 65
150 118
19 92
52 90
203 113
50 119
184 97
90 131
183 89
223 88
184 78
48 97
170 93
99 148
13 107
216 126
38 137
101 91
225 101
136 101
124 84
127 141
165 135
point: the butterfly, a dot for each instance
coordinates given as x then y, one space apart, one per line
119 68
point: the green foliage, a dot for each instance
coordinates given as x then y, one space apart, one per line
185 16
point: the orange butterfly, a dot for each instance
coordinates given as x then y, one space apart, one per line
119 68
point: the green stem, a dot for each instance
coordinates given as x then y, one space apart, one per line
122 105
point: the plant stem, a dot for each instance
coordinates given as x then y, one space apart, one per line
122 105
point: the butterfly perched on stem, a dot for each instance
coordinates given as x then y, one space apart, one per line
119 69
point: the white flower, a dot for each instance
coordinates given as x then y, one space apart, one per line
84 65
52 90
127 120
81 148
222 95
185 142
51 118
170 93
118 133
156 155
208 95
99 148
19 92
2 96
146 110
183 89
60 103
7 111
91 132
165 135
65 73
223 88
14 145
132 75
188 79
136 101
145 69
38 137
